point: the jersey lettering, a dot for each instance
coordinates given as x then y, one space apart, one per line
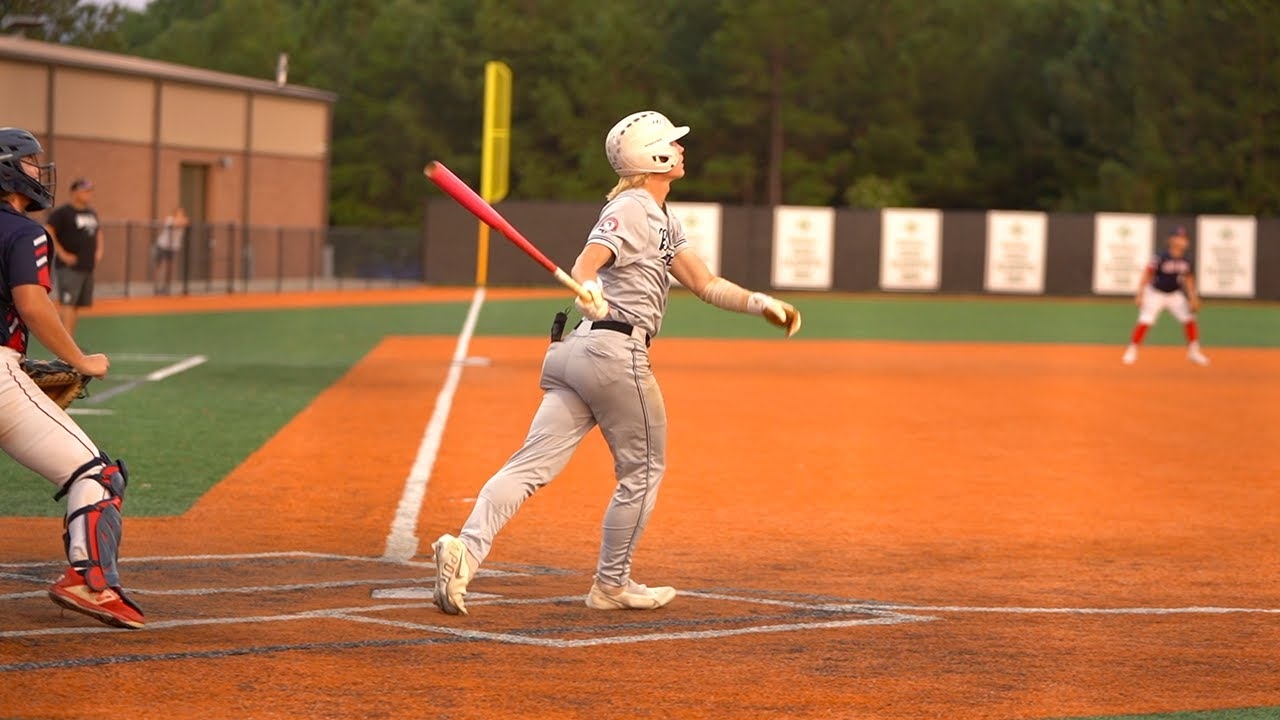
1168 271
665 247
644 240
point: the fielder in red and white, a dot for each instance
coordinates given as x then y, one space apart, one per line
1168 283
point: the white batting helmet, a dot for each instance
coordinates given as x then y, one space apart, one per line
641 143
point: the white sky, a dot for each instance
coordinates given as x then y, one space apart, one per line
132 4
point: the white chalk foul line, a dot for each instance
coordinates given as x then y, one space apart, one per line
174 369
876 618
402 540
872 614
1190 610
166 624
1011 610
155 376
232 556
146 357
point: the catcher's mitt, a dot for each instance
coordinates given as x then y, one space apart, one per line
61 382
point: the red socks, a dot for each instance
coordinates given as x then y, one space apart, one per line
1193 333
1140 331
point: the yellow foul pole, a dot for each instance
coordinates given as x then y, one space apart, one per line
495 151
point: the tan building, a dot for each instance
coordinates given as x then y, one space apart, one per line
248 158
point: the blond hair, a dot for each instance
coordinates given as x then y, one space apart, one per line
630 182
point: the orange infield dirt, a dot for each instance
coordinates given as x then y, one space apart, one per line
860 530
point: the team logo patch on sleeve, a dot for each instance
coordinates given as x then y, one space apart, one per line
607 225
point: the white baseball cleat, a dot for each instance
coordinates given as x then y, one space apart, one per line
452 575
632 597
1197 357
1130 355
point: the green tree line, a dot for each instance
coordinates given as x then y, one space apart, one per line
1166 106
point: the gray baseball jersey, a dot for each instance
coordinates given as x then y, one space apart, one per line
598 376
644 239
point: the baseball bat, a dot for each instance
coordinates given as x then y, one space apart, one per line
443 177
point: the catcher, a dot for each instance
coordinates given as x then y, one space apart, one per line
35 430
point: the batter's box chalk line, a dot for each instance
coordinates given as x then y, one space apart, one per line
795 612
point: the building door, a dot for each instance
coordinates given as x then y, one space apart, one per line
193 183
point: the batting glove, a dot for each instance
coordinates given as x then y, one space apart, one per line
597 309
777 312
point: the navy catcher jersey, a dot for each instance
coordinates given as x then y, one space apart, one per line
1169 271
24 260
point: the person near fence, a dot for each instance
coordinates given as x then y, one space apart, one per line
34 430
168 245
77 241
1168 283
599 374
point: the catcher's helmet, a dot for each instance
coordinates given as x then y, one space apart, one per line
641 143
16 144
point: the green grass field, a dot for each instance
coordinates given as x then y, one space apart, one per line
181 435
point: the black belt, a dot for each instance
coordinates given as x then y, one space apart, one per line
621 327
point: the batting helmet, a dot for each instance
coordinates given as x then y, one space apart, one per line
16 144
641 143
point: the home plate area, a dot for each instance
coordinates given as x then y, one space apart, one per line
359 599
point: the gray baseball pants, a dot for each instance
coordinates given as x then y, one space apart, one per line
592 377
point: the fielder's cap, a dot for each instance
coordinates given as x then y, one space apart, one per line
81 183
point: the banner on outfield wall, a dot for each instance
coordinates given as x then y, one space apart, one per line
1226 246
701 223
910 249
1123 244
1016 244
803 247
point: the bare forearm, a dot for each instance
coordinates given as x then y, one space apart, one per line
58 250
583 272
593 257
1193 297
42 319
1143 282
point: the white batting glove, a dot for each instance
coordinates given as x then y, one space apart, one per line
779 313
597 309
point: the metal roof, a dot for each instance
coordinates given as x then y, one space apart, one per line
23 49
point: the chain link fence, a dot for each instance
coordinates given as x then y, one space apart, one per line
232 258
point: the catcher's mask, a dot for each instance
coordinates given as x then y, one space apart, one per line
16 145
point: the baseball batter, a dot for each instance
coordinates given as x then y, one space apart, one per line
1168 283
33 430
599 374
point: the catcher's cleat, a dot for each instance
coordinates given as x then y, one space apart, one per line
110 606
632 597
452 575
